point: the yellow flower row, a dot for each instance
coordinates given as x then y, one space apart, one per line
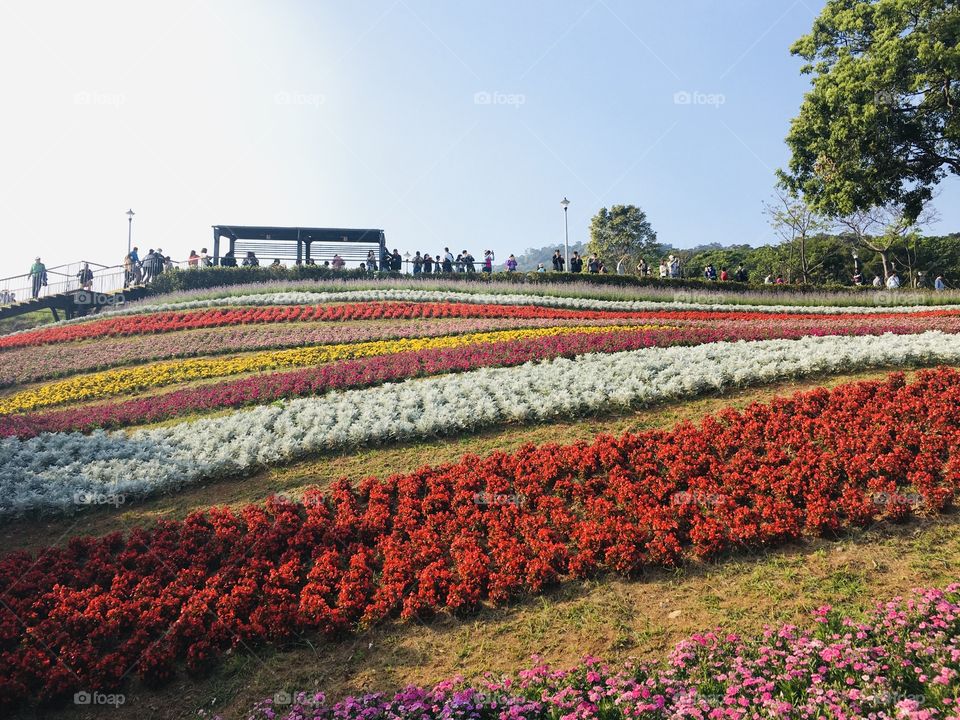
129 380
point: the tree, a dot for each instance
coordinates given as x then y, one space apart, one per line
884 230
795 222
621 232
881 123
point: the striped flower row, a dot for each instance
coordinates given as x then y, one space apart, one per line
127 380
48 472
885 303
42 362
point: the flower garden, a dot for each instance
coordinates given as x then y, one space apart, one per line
134 423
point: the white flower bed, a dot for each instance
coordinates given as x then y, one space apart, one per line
399 295
47 473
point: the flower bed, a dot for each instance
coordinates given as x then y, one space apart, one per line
163 322
138 318
458 535
399 366
40 362
127 380
900 663
46 472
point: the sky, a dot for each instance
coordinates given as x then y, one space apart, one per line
458 124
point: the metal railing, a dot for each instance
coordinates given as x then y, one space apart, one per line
62 279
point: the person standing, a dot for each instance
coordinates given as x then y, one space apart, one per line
593 267
556 261
396 261
38 277
338 262
447 260
664 270
576 263
371 261
488 261
893 282
85 277
205 259
724 276
511 264
939 285
194 260
417 263
427 264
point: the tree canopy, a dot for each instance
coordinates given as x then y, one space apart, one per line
881 122
623 230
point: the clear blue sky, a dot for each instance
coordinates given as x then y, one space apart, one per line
444 123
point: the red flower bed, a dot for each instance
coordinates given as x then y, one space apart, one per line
162 322
483 529
217 317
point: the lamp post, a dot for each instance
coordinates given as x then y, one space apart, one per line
130 215
566 235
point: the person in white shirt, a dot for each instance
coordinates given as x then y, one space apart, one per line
893 282
877 282
939 285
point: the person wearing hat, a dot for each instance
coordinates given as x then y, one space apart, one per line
38 276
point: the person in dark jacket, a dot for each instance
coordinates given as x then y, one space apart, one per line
228 260
558 261
576 263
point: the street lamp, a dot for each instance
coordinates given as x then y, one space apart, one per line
130 215
566 235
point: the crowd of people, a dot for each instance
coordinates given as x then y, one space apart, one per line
141 271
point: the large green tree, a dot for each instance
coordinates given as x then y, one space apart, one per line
622 233
881 122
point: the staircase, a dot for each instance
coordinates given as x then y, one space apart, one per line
63 295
